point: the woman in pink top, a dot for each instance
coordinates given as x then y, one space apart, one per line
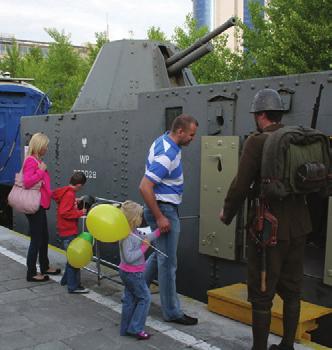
35 170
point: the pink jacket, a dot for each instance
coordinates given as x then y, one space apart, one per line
32 174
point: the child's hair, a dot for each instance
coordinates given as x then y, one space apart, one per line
37 142
78 178
133 212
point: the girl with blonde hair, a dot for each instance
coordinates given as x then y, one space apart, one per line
34 171
136 298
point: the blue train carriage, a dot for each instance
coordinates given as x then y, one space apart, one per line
17 98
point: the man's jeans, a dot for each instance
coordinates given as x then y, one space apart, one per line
166 267
135 302
72 275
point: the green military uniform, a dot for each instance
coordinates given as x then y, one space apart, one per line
285 260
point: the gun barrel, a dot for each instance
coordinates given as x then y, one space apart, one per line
187 60
200 42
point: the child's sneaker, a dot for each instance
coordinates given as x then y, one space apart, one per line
79 290
143 335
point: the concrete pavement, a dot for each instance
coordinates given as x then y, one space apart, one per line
44 316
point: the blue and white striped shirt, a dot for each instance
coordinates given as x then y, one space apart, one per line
164 169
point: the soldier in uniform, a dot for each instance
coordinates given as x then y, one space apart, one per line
284 261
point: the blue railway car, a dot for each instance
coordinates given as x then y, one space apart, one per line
17 98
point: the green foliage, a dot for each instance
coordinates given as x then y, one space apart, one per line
155 33
12 60
65 72
292 37
219 65
93 50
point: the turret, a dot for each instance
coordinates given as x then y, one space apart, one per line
125 68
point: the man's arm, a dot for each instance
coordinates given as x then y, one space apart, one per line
146 189
248 171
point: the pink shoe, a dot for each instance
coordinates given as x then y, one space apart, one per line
143 335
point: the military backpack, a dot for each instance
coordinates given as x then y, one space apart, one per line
296 160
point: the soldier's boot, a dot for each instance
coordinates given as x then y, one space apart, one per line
290 322
261 320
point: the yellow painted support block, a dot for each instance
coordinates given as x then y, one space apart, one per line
231 301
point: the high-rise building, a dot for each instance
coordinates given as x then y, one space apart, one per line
224 9
202 12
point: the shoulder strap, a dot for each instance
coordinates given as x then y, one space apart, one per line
21 171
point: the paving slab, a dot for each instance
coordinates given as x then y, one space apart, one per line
44 316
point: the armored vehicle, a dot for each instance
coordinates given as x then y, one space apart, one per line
131 95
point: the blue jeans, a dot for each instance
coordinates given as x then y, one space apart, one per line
165 267
72 275
135 302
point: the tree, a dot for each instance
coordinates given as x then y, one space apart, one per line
65 72
93 50
292 37
220 65
155 33
12 60
33 66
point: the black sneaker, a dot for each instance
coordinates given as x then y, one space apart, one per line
79 291
186 320
280 347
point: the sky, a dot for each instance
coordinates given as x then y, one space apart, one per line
26 19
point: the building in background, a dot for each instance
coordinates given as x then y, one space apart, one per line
246 13
24 46
202 12
212 13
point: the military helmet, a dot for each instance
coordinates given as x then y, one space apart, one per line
266 100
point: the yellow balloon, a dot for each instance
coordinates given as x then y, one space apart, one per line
107 223
79 252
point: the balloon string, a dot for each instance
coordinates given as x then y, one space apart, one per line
150 245
83 217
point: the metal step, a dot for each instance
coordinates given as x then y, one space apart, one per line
231 301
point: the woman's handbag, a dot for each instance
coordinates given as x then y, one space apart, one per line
24 200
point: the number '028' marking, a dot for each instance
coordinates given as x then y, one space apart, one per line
90 174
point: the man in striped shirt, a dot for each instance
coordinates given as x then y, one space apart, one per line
161 188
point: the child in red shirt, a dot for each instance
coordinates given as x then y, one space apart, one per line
67 226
